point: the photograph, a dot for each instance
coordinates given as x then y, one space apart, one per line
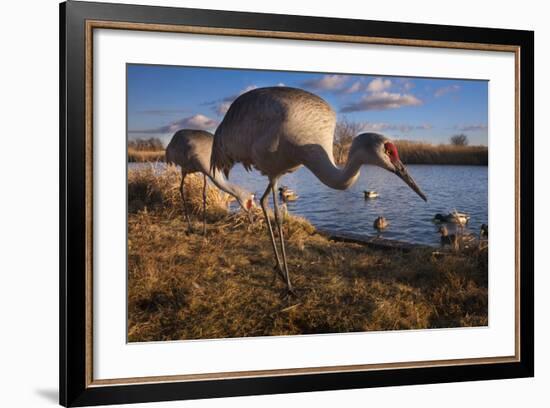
283 203
256 203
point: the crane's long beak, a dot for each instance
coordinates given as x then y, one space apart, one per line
403 174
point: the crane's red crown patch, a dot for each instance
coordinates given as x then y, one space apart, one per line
391 151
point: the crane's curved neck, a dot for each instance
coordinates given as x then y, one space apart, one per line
322 165
219 180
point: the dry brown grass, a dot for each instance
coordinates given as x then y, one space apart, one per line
426 153
412 152
139 156
150 190
182 286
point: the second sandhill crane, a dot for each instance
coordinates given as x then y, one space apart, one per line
279 129
191 149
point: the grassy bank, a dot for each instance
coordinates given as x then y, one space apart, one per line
182 286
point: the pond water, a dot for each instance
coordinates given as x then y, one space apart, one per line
464 188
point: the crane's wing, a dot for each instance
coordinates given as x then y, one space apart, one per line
252 119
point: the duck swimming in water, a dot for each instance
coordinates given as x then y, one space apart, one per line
455 218
370 194
380 223
287 194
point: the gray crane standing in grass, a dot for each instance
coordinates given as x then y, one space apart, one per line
277 130
191 150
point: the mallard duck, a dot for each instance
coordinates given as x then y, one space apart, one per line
455 218
483 237
370 194
484 231
380 223
287 194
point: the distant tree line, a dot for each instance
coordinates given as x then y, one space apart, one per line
150 144
459 140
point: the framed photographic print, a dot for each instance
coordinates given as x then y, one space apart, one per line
256 204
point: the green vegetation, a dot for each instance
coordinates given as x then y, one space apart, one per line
183 286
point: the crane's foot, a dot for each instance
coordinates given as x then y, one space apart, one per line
290 294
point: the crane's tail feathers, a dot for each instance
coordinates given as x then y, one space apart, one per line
220 161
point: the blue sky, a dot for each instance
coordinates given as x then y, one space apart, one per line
163 99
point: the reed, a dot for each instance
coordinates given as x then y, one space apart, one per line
152 189
140 156
426 153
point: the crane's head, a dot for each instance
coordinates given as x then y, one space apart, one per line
246 201
378 150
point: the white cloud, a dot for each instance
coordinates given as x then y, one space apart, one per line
379 85
222 106
400 127
382 101
471 127
326 83
161 112
197 121
445 90
248 88
355 87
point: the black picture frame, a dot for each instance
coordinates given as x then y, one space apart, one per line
75 390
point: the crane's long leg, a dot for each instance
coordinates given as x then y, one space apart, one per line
270 230
204 206
185 211
281 237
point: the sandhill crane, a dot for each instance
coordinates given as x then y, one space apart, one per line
191 150
279 129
